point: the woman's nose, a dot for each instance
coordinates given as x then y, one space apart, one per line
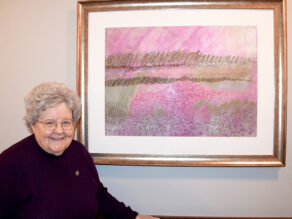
59 128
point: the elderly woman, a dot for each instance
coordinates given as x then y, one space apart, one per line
48 174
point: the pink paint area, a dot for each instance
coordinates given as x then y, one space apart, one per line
216 40
185 109
179 98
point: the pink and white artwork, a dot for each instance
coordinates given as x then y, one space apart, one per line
181 81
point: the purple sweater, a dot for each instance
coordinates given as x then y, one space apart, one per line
35 184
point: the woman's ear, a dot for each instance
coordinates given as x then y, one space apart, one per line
33 128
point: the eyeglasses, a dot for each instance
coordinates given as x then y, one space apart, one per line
49 125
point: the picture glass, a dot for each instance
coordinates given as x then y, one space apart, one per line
198 85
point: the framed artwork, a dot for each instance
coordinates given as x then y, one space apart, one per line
183 83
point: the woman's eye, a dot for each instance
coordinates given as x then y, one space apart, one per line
49 123
67 122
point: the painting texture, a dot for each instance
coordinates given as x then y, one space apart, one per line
181 81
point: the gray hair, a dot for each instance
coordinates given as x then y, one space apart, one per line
47 95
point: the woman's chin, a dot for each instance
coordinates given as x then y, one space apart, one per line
57 148
57 153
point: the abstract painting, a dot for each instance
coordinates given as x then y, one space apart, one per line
181 81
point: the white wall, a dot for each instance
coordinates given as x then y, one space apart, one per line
38 43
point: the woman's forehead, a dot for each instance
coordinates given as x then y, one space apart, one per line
59 111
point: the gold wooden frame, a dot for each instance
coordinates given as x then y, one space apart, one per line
280 56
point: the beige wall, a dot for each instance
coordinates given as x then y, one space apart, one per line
38 43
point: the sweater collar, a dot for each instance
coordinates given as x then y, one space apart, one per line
38 148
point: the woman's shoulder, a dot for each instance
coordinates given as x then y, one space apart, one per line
18 148
17 151
79 148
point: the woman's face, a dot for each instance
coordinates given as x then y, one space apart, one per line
58 139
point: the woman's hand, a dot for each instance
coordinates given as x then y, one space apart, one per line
139 216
